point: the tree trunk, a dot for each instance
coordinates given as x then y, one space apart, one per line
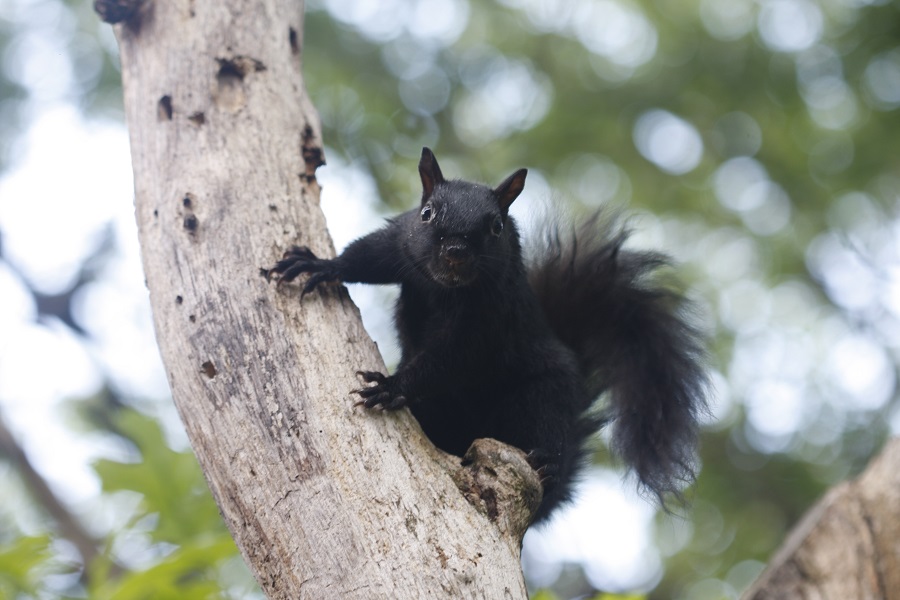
324 500
848 546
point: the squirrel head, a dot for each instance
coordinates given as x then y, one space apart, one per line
504 194
464 229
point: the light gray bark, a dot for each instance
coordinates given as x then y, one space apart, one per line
848 546
324 500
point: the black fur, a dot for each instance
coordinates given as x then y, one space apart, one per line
634 340
492 349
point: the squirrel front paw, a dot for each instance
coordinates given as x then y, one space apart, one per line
300 259
384 393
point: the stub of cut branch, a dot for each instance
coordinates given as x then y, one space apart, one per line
498 480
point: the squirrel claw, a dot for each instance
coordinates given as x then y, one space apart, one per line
371 376
541 462
383 401
298 260
547 473
381 394
314 281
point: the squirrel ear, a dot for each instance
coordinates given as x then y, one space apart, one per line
430 173
510 189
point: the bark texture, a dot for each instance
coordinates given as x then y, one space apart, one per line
323 499
847 546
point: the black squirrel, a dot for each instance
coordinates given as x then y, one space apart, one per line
494 348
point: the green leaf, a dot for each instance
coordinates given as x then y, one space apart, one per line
23 563
187 573
170 482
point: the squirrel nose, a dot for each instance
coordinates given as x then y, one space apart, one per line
456 253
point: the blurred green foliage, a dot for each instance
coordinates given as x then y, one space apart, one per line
548 595
756 140
23 560
170 543
53 51
170 483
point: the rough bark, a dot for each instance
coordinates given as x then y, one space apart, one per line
324 500
847 546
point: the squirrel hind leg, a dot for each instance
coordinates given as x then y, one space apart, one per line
560 472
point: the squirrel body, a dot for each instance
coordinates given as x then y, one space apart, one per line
492 347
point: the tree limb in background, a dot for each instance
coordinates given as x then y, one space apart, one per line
59 305
69 525
847 545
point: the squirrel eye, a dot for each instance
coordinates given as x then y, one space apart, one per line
427 213
497 226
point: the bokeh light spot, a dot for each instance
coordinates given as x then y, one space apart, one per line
668 141
882 80
790 25
727 19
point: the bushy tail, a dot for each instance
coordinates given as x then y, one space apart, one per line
634 339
